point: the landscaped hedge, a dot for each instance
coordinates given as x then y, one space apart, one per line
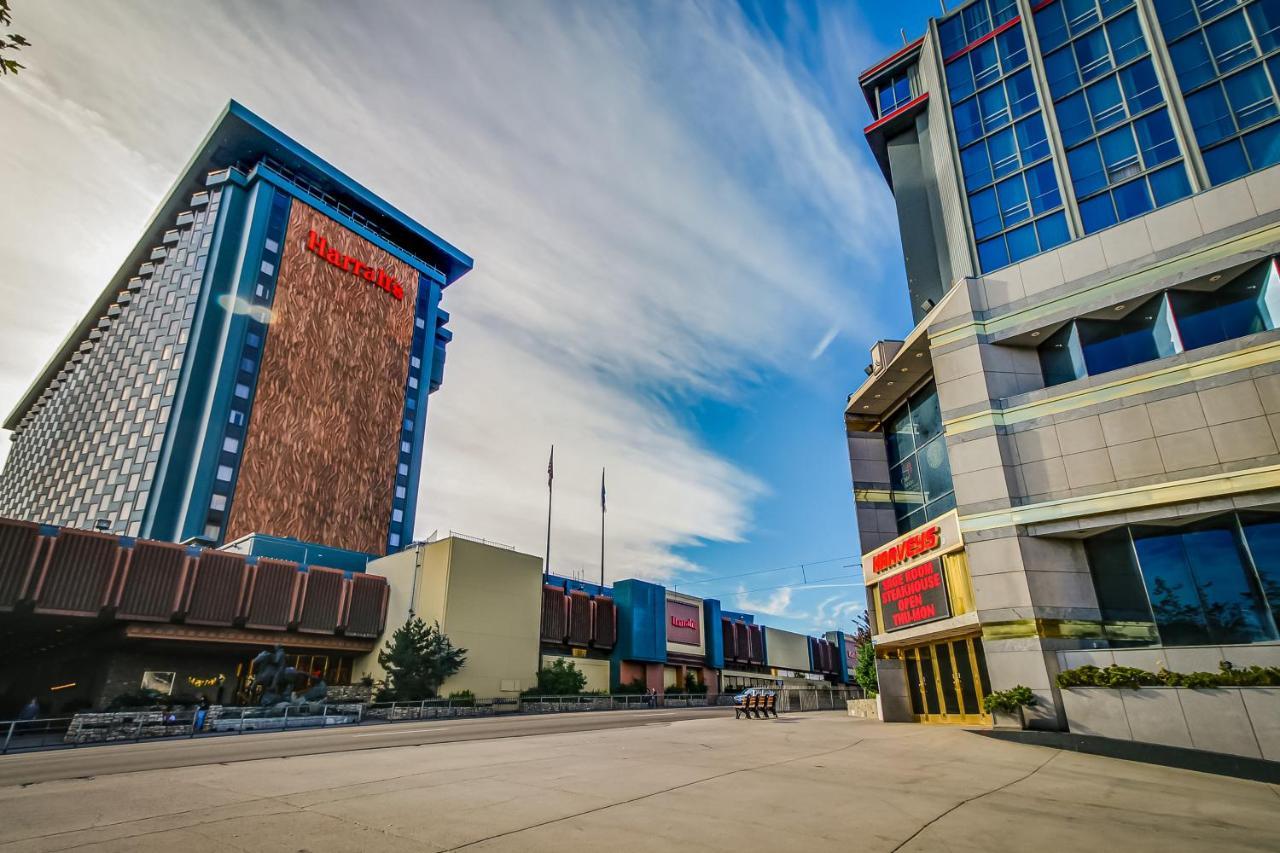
1131 678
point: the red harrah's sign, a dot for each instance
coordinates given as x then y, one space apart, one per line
684 623
913 546
374 275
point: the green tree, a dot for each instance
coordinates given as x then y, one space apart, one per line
418 658
865 671
562 678
11 41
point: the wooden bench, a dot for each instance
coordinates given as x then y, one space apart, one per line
758 706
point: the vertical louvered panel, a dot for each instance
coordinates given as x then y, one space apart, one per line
606 628
555 624
152 585
274 594
367 612
77 578
19 547
742 640
579 618
755 644
728 639
321 601
216 590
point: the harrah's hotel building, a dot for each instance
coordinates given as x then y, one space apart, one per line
1073 456
260 364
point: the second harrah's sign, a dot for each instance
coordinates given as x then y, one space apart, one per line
913 546
376 276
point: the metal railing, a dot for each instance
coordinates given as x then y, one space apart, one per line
134 726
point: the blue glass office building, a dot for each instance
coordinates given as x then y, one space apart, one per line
260 363
1079 439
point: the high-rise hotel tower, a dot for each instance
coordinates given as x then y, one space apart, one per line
260 363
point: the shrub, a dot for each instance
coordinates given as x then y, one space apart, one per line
1131 678
864 672
562 678
418 659
693 686
634 687
1009 701
462 697
140 699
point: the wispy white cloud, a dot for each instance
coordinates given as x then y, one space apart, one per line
661 204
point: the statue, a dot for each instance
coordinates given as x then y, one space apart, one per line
282 685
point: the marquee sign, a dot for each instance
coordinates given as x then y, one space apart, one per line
683 623
374 275
939 536
914 597
919 543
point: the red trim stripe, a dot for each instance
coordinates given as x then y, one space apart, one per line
891 59
988 37
1041 5
899 111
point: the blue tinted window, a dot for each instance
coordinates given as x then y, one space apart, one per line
1032 144
1104 103
994 109
1022 93
1060 71
1122 597
1119 154
1085 164
992 254
1249 95
1155 138
1229 42
1092 57
1113 344
985 213
1230 312
1265 17
1141 89
1042 188
976 166
1176 17
1051 27
1012 194
1073 119
919 473
1169 184
1262 535
1003 152
959 80
1081 14
1052 231
1191 58
1060 359
1132 199
1011 46
951 36
1022 243
1226 162
1097 213
1210 117
1263 146
1125 35
986 68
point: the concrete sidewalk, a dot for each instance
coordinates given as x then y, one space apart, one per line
804 783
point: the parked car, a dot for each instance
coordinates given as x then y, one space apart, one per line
739 698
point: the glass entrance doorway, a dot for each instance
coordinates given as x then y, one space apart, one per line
946 681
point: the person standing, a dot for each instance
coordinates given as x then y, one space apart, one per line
202 711
30 711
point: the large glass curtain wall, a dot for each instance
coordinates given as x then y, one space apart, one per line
919 470
1215 582
1015 203
1227 57
1168 323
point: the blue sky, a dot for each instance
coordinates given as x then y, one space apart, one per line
683 247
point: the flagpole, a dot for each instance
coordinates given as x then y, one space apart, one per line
602 531
546 559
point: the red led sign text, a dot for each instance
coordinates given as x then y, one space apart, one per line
374 275
913 546
677 622
914 596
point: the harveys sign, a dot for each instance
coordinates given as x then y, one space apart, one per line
938 537
376 276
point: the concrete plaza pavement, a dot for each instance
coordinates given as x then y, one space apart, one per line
805 782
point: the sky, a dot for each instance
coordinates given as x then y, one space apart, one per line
683 247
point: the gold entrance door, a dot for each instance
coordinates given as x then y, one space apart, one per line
946 681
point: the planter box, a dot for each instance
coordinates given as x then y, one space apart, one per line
1231 720
865 709
1006 720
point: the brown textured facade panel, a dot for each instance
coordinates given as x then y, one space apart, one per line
741 642
555 614
273 594
151 586
321 601
76 579
755 644
579 618
216 589
19 546
606 627
322 448
368 610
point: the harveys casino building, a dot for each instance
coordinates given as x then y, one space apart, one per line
1072 455
232 431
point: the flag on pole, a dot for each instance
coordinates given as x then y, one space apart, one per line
602 509
551 466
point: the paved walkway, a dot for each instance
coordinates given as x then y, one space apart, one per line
808 782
